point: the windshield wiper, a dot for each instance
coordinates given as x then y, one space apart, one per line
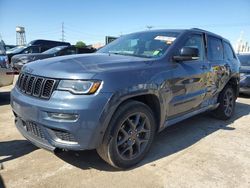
117 53
126 54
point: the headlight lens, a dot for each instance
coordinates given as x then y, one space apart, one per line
79 86
24 61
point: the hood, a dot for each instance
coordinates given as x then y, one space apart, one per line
83 66
29 57
245 69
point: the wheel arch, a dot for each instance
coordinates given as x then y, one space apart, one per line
149 99
234 82
152 102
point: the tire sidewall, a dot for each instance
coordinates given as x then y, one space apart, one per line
221 109
113 154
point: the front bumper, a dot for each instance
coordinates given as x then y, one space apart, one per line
34 123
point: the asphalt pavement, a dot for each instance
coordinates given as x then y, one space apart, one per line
198 152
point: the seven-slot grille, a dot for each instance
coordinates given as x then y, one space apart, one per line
36 86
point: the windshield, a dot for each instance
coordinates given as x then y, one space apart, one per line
16 49
145 44
54 50
244 60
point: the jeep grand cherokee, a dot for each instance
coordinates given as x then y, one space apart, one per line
117 99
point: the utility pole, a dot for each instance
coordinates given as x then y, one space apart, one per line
149 27
63 36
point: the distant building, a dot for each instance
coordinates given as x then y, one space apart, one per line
97 45
242 45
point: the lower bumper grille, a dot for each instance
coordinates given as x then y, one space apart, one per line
39 132
34 129
65 136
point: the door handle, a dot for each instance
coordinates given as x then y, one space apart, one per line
227 65
204 67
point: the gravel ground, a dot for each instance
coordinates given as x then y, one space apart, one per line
198 152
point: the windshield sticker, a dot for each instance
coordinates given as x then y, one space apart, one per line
168 40
156 52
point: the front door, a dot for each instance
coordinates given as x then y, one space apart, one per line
188 85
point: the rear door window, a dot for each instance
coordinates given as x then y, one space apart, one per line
228 51
215 49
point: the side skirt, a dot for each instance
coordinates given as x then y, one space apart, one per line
188 115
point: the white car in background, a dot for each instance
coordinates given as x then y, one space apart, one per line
6 78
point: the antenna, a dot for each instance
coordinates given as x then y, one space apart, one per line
63 36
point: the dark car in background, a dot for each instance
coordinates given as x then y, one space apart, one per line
36 46
8 46
18 61
244 73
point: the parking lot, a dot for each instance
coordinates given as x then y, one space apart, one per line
199 152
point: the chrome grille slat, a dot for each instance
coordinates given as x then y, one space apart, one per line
24 84
21 80
36 86
47 88
30 85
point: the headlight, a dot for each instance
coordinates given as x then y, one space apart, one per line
79 86
24 61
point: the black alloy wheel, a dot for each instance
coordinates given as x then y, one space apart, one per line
129 135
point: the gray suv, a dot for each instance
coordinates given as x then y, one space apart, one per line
117 99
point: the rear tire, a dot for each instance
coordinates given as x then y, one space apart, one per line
227 104
128 136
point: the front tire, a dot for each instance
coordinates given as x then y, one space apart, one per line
227 103
129 135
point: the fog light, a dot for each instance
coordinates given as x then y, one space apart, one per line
62 116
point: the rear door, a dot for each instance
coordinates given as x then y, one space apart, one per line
219 67
189 81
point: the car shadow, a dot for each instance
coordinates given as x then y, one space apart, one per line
14 149
2 185
4 98
241 95
172 140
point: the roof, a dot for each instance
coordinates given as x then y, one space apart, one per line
186 30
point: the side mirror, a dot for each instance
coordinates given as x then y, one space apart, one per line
187 54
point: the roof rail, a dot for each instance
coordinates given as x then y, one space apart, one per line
198 29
